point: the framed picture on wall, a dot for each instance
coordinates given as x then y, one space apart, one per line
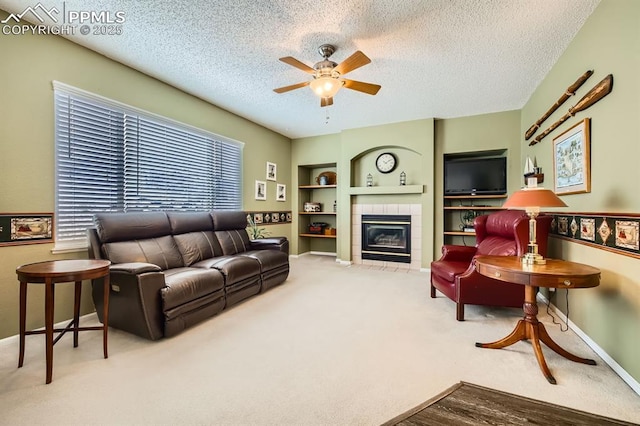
272 170
261 190
281 192
572 159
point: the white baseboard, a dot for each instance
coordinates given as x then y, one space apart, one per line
633 383
322 253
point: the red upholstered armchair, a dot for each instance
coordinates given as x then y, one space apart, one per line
503 233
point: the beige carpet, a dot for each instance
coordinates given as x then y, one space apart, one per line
334 345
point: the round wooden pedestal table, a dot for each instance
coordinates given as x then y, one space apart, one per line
51 273
554 274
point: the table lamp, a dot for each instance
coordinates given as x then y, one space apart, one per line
531 198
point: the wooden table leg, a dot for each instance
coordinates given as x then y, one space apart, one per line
547 340
48 325
518 333
105 315
537 350
23 320
530 328
76 311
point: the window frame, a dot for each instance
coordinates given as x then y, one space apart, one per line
226 173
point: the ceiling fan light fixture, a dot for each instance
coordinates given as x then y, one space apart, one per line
325 87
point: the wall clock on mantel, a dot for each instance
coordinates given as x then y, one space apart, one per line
386 162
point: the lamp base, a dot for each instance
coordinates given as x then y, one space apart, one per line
533 259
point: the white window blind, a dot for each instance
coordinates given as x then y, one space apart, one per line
111 157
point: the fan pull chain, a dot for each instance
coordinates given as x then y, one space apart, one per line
327 116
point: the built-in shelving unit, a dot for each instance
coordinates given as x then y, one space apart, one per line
460 210
310 191
455 206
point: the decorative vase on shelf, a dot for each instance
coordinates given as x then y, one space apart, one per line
369 180
403 179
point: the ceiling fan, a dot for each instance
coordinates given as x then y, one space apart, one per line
327 75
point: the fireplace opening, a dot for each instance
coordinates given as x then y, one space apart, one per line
386 238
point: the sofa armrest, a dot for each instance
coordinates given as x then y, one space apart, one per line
271 243
135 268
457 253
135 303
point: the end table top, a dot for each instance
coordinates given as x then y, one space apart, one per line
555 273
72 269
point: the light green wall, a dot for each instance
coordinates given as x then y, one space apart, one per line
486 132
30 63
355 152
608 43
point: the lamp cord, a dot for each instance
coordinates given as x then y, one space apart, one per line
553 318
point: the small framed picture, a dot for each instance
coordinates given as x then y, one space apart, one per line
572 160
281 192
261 190
272 170
26 228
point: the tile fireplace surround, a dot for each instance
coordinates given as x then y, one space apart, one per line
415 210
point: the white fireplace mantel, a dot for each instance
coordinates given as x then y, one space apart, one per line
386 190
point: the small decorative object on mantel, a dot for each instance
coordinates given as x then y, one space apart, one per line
403 179
327 178
571 90
599 91
369 180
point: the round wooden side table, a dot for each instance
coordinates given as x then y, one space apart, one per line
555 273
50 273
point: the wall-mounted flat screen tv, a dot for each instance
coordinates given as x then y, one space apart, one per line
475 176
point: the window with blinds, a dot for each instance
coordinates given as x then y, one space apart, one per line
114 158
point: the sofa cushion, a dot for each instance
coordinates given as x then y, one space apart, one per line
197 246
234 268
114 227
161 251
233 241
269 259
184 285
183 222
227 220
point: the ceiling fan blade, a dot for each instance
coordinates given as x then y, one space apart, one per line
326 102
296 63
292 87
360 86
353 62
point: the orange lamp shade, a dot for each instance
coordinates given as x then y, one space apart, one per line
533 197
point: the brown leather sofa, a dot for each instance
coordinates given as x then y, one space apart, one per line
503 233
171 270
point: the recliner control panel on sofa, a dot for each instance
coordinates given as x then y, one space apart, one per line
171 270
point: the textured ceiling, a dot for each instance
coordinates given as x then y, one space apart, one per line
433 58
